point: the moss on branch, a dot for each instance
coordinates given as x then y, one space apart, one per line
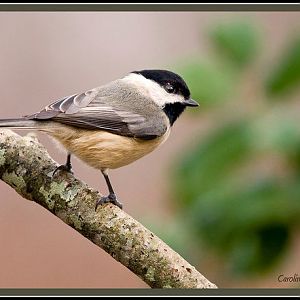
27 167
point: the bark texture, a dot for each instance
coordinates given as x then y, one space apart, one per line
27 167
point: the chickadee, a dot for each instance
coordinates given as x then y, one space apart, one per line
113 125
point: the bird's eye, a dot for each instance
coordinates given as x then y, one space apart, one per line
170 88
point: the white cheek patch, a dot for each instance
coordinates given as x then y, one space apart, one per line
150 88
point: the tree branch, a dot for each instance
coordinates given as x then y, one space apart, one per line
27 167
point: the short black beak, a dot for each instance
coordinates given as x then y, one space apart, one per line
191 102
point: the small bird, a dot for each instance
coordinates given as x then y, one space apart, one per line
115 124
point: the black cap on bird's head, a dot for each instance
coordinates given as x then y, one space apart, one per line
173 84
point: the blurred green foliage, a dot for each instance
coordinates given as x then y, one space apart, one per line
214 81
286 75
232 203
211 162
216 86
236 41
248 225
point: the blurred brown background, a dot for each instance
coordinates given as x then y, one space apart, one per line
48 55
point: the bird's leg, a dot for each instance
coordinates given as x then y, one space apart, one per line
111 197
66 167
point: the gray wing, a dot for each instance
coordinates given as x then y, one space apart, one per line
103 108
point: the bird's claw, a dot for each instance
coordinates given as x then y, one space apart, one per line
111 198
65 168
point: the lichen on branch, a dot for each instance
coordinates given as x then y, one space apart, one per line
26 166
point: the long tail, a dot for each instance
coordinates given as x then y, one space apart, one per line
21 123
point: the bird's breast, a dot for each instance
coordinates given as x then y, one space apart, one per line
101 149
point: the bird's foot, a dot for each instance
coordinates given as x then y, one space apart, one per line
65 168
111 198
